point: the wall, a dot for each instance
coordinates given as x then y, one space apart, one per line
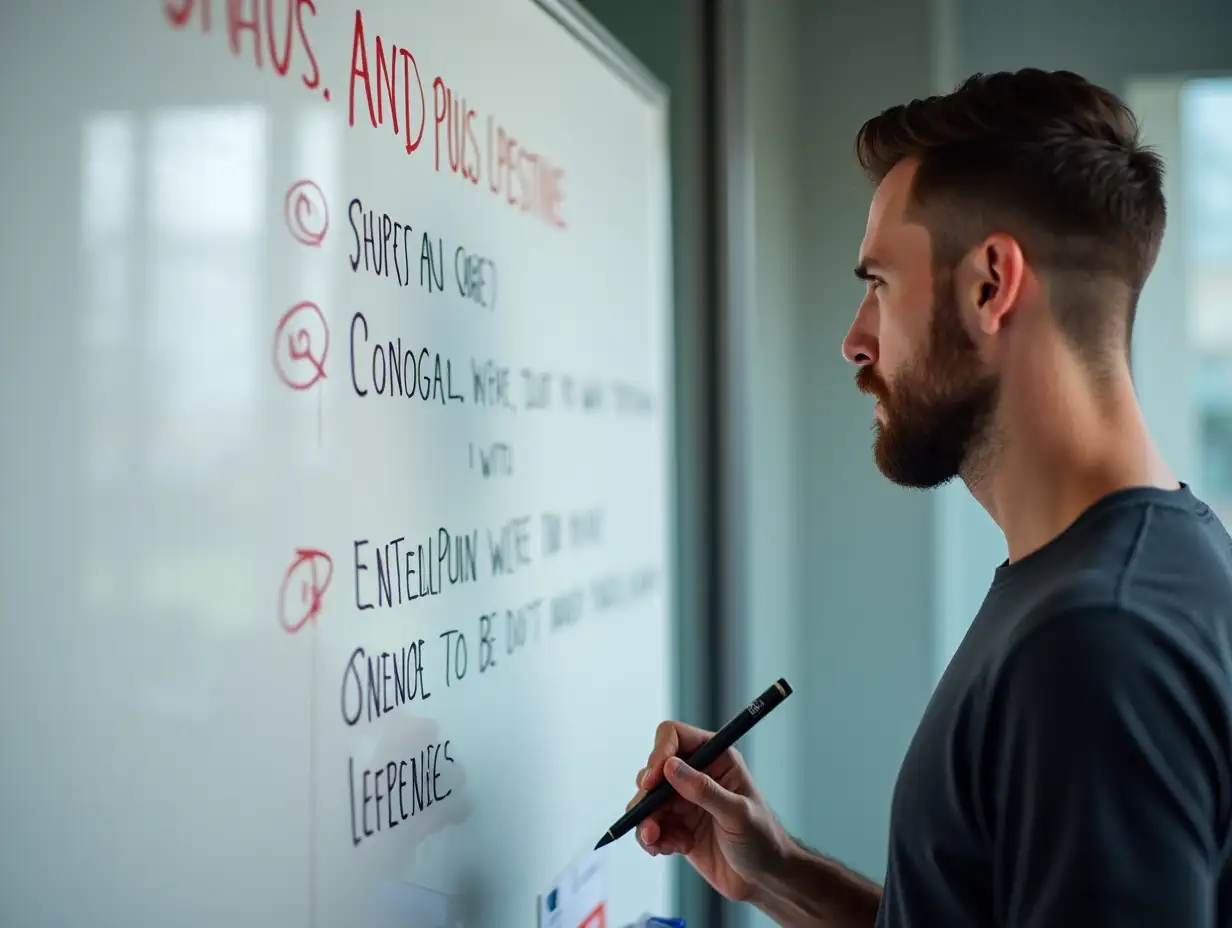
764 246
1161 337
1109 42
867 571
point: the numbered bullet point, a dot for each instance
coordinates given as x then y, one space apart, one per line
301 342
303 588
306 213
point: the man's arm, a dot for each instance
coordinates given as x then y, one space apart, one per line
1104 777
809 890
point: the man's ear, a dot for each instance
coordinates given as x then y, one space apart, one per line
996 268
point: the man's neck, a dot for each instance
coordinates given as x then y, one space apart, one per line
1058 451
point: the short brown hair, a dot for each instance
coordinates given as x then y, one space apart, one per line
1049 158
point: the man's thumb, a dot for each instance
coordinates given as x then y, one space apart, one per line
701 790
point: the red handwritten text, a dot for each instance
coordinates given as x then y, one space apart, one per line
529 181
297 359
387 72
306 212
453 113
386 82
259 28
303 588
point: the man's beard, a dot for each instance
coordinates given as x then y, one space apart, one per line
939 409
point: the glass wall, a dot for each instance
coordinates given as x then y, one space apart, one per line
1206 183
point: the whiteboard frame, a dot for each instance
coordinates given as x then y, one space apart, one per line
600 42
583 26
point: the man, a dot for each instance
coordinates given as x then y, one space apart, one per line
1074 765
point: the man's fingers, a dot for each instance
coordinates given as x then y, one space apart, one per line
666 837
648 832
666 744
667 738
671 739
676 839
651 775
703 791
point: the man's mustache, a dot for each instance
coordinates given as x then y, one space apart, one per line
868 382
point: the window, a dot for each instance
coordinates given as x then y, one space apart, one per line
1206 185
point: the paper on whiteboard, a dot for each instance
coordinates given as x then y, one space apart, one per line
578 898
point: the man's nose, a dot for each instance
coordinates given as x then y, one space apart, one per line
860 345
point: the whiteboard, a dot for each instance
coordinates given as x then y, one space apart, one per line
281 387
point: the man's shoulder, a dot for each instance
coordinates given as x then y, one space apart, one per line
1082 632
1156 576
1112 656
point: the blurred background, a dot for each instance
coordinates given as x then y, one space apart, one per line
797 558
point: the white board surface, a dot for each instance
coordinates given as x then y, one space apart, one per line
234 454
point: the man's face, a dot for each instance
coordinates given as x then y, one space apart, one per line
935 395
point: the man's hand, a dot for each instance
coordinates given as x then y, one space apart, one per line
718 820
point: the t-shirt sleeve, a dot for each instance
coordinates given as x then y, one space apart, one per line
1103 778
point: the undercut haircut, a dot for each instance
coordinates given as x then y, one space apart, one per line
1050 159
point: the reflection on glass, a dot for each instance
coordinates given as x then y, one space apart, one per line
174 332
203 356
1206 126
108 188
207 174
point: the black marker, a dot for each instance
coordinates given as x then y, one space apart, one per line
702 758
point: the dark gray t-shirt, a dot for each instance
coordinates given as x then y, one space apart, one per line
1074 765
